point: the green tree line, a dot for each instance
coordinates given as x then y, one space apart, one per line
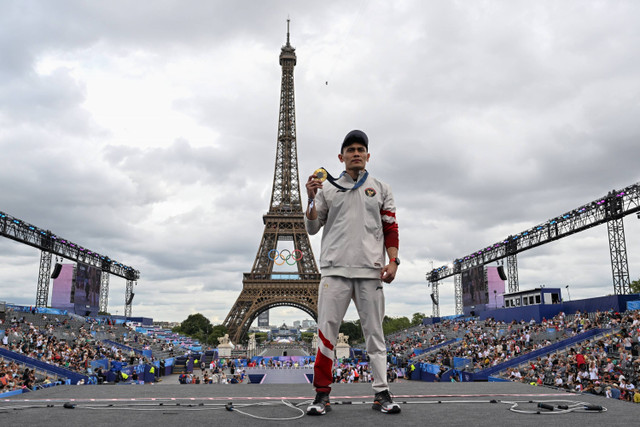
199 327
389 325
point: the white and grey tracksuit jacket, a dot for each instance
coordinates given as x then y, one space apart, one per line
358 225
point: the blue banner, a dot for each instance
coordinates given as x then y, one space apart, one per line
633 305
432 369
42 310
461 362
102 363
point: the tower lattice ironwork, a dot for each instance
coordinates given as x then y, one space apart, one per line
294 282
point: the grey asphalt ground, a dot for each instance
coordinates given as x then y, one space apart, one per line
168 403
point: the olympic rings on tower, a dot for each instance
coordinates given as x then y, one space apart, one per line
280 255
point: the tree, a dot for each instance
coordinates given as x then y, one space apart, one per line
196 326
417 319
306 337
216 332
353 330
394 324
635 286
261 337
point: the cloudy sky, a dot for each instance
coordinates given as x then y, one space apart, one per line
146 131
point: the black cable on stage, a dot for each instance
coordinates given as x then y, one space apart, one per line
543 406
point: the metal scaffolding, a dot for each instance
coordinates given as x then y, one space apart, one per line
457 280
51 244
609 209
435 297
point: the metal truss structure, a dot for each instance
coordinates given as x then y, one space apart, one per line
51 244
104 293
512 273
435 297
609 209
618 252
262 288
457 283
128 297
44 277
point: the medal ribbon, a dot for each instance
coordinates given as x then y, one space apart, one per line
357 185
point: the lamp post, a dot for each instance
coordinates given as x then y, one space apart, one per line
495 298
568 293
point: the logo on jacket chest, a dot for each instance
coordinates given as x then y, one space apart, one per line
370 192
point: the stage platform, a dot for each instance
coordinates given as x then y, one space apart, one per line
435 404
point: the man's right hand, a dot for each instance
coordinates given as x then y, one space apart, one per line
313 185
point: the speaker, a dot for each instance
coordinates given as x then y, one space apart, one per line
130 298
56 271
433 298
501 272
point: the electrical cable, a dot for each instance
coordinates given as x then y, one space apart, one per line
573 406
175 408
544 407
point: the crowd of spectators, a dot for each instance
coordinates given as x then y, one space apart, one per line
15 377
488 343
352 372
216 376
75 353
609 366
60 342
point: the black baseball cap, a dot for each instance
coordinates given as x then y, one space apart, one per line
355 136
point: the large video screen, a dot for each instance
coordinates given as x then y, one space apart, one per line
474 291
496 287
62 287
87 286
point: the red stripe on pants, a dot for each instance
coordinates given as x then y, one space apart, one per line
325 341
322 373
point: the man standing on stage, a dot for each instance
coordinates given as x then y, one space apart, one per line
359 218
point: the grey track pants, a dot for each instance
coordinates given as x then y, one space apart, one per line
334 296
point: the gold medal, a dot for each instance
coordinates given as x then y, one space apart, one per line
320 174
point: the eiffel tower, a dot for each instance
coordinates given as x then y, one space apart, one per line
297 286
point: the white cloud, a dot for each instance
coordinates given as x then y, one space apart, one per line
147 132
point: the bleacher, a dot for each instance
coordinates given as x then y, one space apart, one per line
575 331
